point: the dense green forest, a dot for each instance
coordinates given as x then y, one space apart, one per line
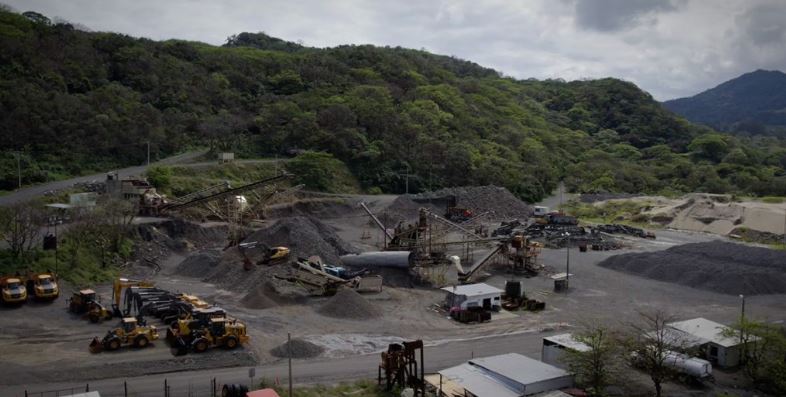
73 101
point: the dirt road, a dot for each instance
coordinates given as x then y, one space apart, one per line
30 193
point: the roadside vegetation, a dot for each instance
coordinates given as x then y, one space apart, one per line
627 212
91 249
362 388
74 101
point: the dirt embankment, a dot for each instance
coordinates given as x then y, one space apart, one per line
348 304
717 266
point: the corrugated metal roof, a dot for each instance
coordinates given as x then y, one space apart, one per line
478 381
520 368
88 394
473 289
568 341
704 331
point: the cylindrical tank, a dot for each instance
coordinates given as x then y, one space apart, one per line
687 365
399 259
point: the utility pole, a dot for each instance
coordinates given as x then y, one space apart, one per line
148 153
19 168
742 317
289 350
567 265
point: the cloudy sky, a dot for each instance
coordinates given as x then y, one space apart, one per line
671 48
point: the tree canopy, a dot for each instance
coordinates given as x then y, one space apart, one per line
72 102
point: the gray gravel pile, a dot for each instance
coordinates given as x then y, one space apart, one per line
270 294
300 349
348 304
497 201
200 264
305 236
717 266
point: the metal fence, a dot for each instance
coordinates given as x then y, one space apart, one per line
209 388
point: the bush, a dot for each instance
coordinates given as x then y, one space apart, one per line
159 176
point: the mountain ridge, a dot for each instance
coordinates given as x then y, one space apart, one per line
753 103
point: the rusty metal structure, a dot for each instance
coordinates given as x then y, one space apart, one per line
401 367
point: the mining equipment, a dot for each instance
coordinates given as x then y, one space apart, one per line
130 333
271 256
117 288
14 291
86 302
401 367
43 286
318 280
153 204
218 332
520 253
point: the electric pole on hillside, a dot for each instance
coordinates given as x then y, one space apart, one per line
148 153
19 169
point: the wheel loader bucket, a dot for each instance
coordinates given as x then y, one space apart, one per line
96 346
179 347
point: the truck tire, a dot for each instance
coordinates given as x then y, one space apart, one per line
94 318
200 345
141 341
231 343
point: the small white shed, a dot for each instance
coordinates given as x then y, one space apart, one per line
473 295
226 157
723 351
554 347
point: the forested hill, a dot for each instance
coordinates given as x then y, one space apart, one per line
74 101
754 103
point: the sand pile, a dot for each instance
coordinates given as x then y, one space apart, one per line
348 304
321 207
300 349
717 266
497 201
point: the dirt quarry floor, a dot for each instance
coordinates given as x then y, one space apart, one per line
44 343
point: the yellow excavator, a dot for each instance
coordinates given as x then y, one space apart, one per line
117 288
86 301
130 333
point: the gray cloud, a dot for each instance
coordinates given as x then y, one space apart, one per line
612 15
764 24
671 48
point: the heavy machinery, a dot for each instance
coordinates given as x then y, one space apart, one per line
117 288
402 367
155 205
195 320
43 286
271 256
218 332
86 302
520 253
14 291
130 333
312 274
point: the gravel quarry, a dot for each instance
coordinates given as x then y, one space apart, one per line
349 324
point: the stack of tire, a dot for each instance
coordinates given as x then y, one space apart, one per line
234 391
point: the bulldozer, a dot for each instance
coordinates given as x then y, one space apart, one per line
14 291
130 333
86 302
43 286
219 332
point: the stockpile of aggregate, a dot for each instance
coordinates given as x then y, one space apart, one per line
305 236
348 304
299 348
497 201
717 266
199 264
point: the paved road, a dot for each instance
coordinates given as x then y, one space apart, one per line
325 371
30 193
